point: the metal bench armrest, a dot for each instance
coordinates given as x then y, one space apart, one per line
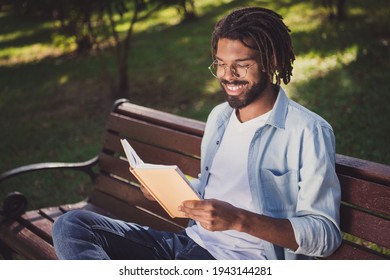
86 166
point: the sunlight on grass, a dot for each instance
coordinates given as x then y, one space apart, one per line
26 54
356 11
365 243
312 66
303 17
16 35
14 55
212 87
167 17
66 43
63 79
23 33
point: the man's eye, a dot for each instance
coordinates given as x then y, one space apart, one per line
242 65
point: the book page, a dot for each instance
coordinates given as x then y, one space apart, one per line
168 186
166 183
132 156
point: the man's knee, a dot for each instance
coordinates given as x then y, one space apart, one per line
69 221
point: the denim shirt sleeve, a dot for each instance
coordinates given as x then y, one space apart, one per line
316 220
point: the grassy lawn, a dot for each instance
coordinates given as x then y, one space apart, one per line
53 103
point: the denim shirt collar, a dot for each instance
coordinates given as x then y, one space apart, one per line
278 114
277 117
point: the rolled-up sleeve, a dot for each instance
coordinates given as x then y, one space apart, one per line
316 223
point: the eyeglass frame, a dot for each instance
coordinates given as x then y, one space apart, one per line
232 68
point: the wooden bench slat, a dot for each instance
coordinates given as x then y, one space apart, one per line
154 135
151 154
363 169
37 223
115 166
133 214
364 225
72 206
126 192
112 144
51 213
189 166
132 195
164 119
368 195
25 242
350 252
84 205
120 167
31 234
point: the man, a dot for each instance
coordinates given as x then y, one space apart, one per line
267 171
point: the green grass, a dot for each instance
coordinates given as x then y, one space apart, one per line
53 103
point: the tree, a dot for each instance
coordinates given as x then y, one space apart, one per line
187 9
107 22
94 23
105 33
335 11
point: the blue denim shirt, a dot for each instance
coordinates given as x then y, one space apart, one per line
291 168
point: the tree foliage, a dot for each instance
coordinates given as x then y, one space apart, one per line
93 23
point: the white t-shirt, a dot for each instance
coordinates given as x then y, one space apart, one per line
229 182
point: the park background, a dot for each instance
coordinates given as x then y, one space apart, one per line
56 88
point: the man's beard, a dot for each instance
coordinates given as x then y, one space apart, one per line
246 97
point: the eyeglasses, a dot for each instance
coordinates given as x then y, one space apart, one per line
218 70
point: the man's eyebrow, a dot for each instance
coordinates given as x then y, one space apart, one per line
239 59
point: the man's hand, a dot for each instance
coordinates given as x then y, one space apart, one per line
212 214
147 194
216 215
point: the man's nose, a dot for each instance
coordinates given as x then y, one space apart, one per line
230 73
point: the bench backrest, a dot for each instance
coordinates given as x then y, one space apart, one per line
164 138
157 137
365 209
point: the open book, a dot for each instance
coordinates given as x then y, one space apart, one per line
166 183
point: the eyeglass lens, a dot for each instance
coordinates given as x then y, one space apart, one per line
219 71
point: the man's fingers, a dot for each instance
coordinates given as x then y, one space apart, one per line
146 193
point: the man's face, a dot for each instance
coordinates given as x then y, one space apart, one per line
240 91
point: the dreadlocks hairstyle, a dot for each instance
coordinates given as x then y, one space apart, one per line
264 31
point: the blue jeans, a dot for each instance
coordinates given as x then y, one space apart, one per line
81 234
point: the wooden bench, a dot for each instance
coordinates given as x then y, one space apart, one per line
165 138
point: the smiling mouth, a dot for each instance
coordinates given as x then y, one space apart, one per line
234 86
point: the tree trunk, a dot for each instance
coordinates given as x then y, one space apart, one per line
341 9
123 82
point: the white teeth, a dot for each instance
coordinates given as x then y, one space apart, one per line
234 88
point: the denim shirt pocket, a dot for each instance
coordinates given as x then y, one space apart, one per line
280 191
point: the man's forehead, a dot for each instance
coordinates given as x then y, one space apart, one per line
234 50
